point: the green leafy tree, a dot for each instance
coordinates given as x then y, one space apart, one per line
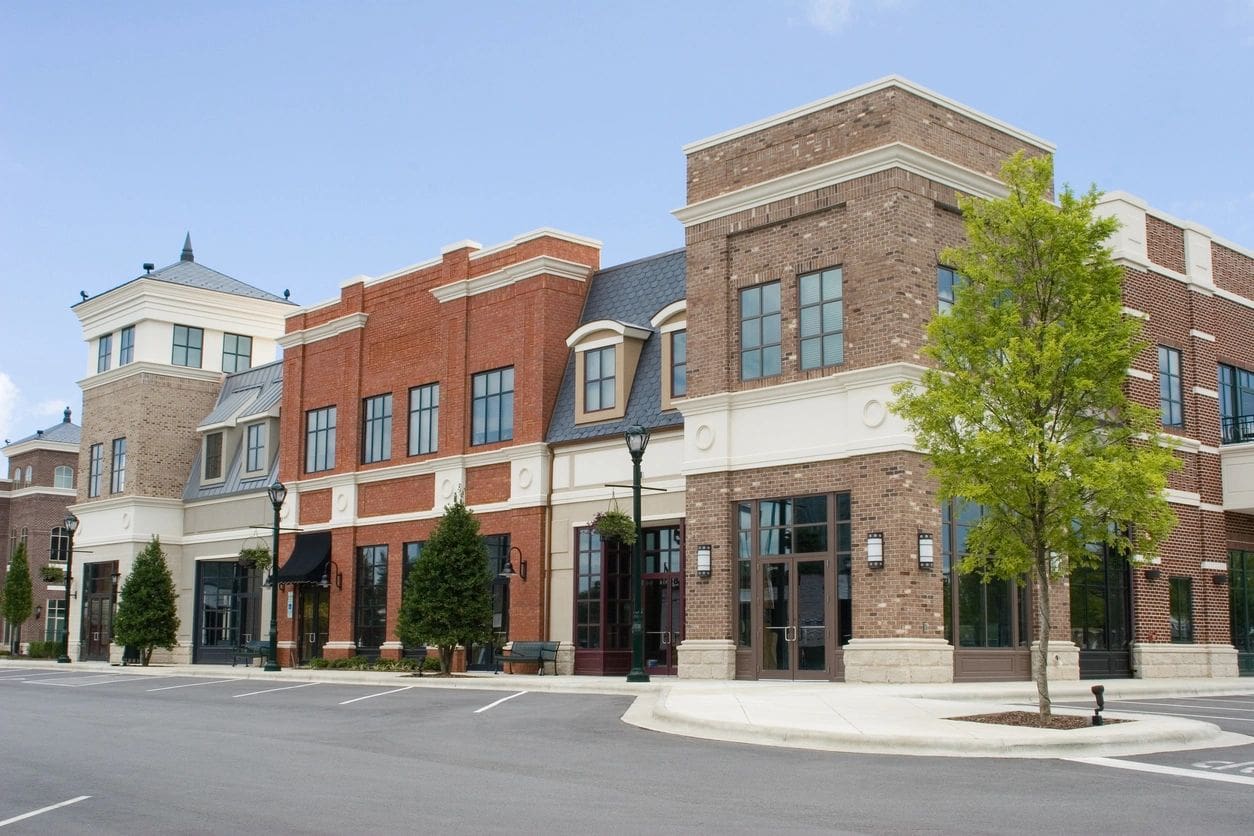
1024 411
146 617
16 603
448 600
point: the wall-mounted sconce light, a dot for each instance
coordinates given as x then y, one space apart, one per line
1153 573
704 560
875 550
325 583
115 577
508 571
927 546
38 612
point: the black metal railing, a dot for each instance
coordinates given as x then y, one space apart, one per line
1237 429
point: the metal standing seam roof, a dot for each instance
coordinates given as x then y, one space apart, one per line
630 293
244 394
191 274
62 432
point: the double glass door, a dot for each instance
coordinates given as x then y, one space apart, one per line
315 615
663 623
795 613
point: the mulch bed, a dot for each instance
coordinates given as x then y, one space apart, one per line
1062 722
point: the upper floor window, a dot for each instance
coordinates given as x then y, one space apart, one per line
1170 387
424 419
188 343
255 447
320 439
213 456
376 429
760 331
104 353
492 406
1182 609
29 478
95 464
117 482
63 476
946 281
679 363
1236 404
237 353
59 544
822 319
126 346
598 379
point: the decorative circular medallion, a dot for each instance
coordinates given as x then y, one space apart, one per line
126 520
873 413
341 500
524 477
705 437
446 489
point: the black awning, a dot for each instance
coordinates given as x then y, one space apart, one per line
308 561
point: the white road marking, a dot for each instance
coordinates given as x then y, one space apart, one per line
380 694
498 702
1165 770
192 685
97 682
1180 714
272 690
44 810
33 673
1113 707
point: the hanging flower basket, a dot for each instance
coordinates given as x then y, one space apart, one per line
52 574
257 557
615 525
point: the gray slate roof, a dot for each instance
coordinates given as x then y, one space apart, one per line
243 394
188 273
62 432
632 293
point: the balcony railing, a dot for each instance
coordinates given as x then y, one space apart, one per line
1238 429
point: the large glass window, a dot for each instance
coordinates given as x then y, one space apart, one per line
117 482
237 353
412 552
230 597
1100 604
679 364
104 353
59 544
598 379
822 319
54 612
255 447
95 464
376 429
492 407
320 439
1236 404
760 331
213 456
602 593
372 598
63 476
126 346
1241 600
188 343
424 419
988 611
1170 388
1181 609
498 553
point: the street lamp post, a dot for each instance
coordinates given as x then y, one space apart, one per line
71 525
637 439
277 493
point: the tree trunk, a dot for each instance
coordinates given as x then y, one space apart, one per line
148 655
1043 625
446 659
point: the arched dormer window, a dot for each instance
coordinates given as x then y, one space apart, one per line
672 323
606 354
29 479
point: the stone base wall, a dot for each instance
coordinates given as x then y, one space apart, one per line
1177 661
1064 660
566 659
899 660
707 659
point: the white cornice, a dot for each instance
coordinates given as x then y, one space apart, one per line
145 367
42 490
1144 205
31 445
326 330
422 468
538 266
622 329
802 389
894 155
542 232
115 502
866 89
671 311
151 299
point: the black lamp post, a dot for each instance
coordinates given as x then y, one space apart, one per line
277 493
637 439
71 525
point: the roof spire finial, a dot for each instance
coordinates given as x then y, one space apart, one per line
65 416
187 249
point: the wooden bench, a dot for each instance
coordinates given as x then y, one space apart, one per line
250 651
529 652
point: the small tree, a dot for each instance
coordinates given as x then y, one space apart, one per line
16 602
1025 411
146 617
448 600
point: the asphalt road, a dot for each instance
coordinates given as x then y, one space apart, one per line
139 754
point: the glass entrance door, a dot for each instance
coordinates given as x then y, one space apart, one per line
795 619
99 596
315 615
663 624
1101 617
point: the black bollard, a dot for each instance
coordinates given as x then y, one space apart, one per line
1099 695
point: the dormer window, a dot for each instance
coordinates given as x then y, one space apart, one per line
606 354
213 457
672 323
255 447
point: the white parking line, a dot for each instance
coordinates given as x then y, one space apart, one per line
380 694
1183 704
33 673
498 702
272 690
1180 714
79 684
44 810
192 685
1164 770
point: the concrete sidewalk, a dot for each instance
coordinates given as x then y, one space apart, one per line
879 719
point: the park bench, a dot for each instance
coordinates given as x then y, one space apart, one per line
529 652
250 651
418 654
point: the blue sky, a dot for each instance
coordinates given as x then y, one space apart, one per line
304 143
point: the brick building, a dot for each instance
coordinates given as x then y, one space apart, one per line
33 506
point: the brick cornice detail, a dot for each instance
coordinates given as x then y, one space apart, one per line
326 330
543 265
